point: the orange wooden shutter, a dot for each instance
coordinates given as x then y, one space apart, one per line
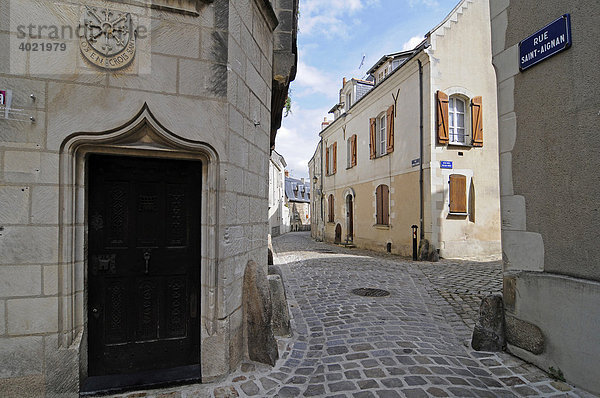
379 205
458 193
327 161
334 157
477 120
390 129
372 127
442 117
353 150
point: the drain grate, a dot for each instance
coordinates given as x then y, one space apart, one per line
370 292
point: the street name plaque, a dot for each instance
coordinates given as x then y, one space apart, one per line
546 42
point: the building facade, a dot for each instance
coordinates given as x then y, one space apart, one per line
317 225
548 121
133 186
279 217
297 200
420 148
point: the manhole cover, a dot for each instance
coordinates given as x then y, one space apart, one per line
369 292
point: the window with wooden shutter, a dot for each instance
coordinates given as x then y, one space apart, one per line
390 129
354 150
372 137
334 157
457 194
442 117
331 209
327 170
477 121
382 194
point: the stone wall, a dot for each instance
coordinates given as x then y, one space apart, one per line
199 87
548 120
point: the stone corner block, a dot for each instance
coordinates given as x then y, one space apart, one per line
523 251
524 335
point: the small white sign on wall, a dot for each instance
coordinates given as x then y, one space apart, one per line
2 97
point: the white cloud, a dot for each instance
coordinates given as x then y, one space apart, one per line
310 80
298 137
327 16
428 3
412 43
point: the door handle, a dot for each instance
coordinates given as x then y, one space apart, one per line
95 313
147 260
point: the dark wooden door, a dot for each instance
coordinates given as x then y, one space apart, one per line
143 264
350 218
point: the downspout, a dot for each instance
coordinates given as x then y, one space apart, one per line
321 178
421 221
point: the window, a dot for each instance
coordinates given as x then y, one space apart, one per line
457 193
382 194
457 114
381 135
351 151
330 209
331 159
348 101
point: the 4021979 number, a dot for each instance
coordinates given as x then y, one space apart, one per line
43 47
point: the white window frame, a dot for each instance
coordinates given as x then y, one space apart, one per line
348 101
381 134
330 166
455 135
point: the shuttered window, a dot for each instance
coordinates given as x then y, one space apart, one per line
477 121
457 194
331 208
354 151
327 169
372 139
382 196
442 117
390 129
334 157
351 151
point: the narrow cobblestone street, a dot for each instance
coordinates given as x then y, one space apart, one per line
412 343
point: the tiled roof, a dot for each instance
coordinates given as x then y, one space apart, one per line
296 191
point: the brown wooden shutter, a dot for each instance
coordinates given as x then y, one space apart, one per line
442 117
379 205
458 193
372 145
477 121
390 129
334 157
353 150
385 201
327 161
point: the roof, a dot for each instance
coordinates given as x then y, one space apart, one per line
296 191
387 57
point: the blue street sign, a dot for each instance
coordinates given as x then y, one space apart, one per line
446 164
546 42
416 162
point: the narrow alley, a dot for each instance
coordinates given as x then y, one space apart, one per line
413 342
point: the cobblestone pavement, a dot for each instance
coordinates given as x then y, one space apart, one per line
412 343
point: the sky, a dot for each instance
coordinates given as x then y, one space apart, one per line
333 37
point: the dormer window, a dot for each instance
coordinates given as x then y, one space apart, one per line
348 101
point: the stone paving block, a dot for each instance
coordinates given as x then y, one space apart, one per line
314 390
342 386
387 394
414 380
250 388
363 394
437 392
415 393
367 384
287 392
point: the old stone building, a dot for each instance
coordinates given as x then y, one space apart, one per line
548 126
134 158
417 144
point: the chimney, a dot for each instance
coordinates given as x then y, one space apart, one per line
344 82
287 173
324 124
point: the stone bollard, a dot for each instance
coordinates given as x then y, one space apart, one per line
281 314
488 334
258 312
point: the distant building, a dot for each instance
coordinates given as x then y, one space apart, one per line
419 147
550 186
316 201
297 197
279 218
